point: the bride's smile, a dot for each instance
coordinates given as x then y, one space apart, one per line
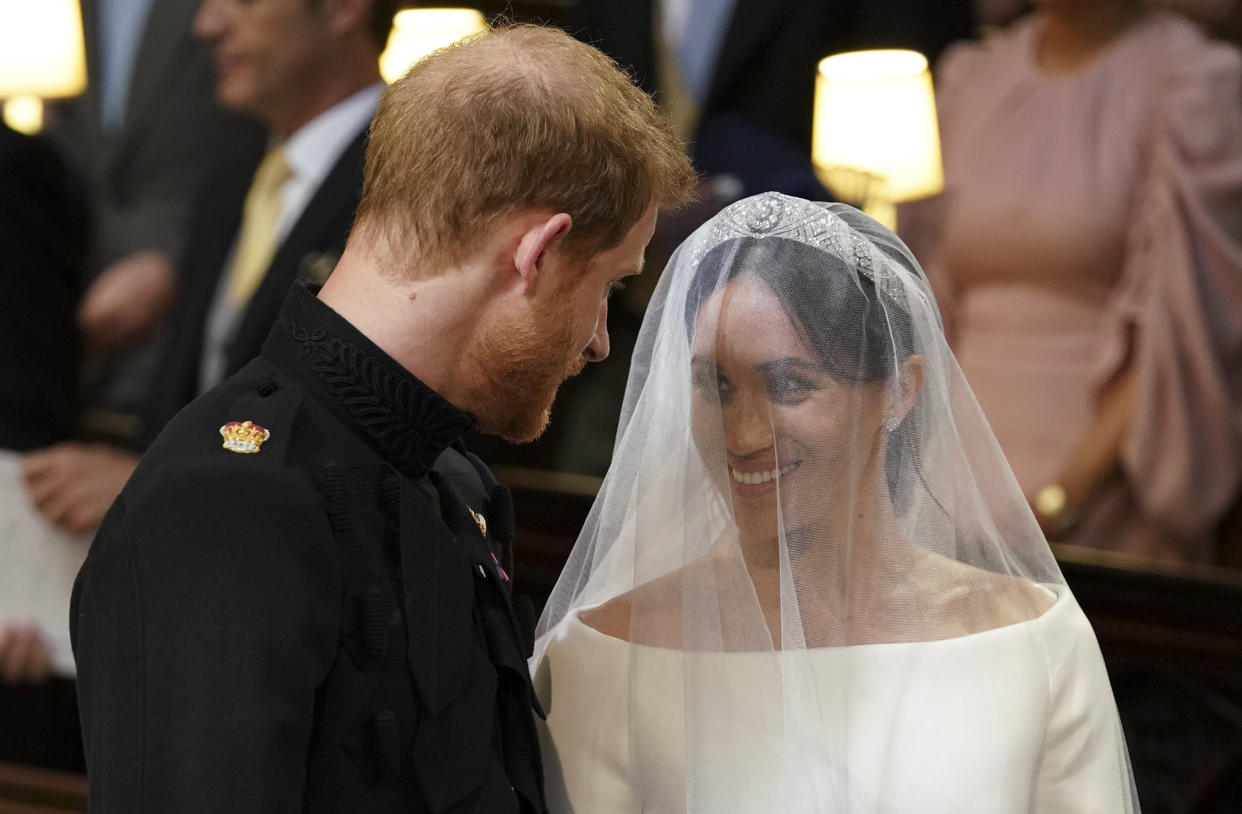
759 477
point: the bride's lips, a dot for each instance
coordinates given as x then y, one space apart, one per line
754 482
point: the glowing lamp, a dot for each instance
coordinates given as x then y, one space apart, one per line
416 32
41 56
875 140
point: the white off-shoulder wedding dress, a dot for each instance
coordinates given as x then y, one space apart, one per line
1015 719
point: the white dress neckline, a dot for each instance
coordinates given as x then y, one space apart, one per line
1063 598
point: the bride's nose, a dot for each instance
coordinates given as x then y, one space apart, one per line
748 427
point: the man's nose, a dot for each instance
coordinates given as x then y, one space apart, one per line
209 20
597 349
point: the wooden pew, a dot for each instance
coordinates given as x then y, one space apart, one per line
24 790
1172 639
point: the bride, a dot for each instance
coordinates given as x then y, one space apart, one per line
810 582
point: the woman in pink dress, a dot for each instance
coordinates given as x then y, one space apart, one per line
1087 254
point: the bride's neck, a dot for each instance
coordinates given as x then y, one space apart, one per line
834 554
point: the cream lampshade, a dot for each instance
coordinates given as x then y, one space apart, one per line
875 140
41 56
416 32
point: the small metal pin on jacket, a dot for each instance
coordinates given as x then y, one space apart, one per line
504 576
479 520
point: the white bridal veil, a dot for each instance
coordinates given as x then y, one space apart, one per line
810 581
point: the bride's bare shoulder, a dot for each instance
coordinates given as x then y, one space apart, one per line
649 614
611 618
985 597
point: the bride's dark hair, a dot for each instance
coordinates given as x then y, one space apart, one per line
858 333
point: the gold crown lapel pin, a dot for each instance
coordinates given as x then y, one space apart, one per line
245 437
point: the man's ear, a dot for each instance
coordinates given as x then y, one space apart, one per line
346 15
534 245
912 376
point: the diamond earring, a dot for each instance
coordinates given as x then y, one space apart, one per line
891 423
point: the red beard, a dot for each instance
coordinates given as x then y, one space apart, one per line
523 361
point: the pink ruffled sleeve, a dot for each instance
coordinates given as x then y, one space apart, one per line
1178 307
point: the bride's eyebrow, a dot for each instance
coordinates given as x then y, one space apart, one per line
788 364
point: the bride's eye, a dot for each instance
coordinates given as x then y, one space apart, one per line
710 381
789 388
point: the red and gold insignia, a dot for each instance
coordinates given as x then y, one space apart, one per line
245 437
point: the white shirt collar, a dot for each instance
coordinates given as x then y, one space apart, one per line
316 146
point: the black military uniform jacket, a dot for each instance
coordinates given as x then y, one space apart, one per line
322 625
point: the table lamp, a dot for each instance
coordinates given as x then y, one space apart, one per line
41 56
875 141
416 32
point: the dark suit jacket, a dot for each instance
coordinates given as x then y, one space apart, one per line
309 252
321 626
756 119
144 176
43 234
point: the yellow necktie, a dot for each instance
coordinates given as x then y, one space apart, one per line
257 243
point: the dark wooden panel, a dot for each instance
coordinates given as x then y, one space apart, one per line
24 790
1144 609
1172 638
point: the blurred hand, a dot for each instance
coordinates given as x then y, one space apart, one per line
1095 462
128 301
1056 527
24 657
73 485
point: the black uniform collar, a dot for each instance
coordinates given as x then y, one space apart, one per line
404 420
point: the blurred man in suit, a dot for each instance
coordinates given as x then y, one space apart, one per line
738 76
308 70
145 135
